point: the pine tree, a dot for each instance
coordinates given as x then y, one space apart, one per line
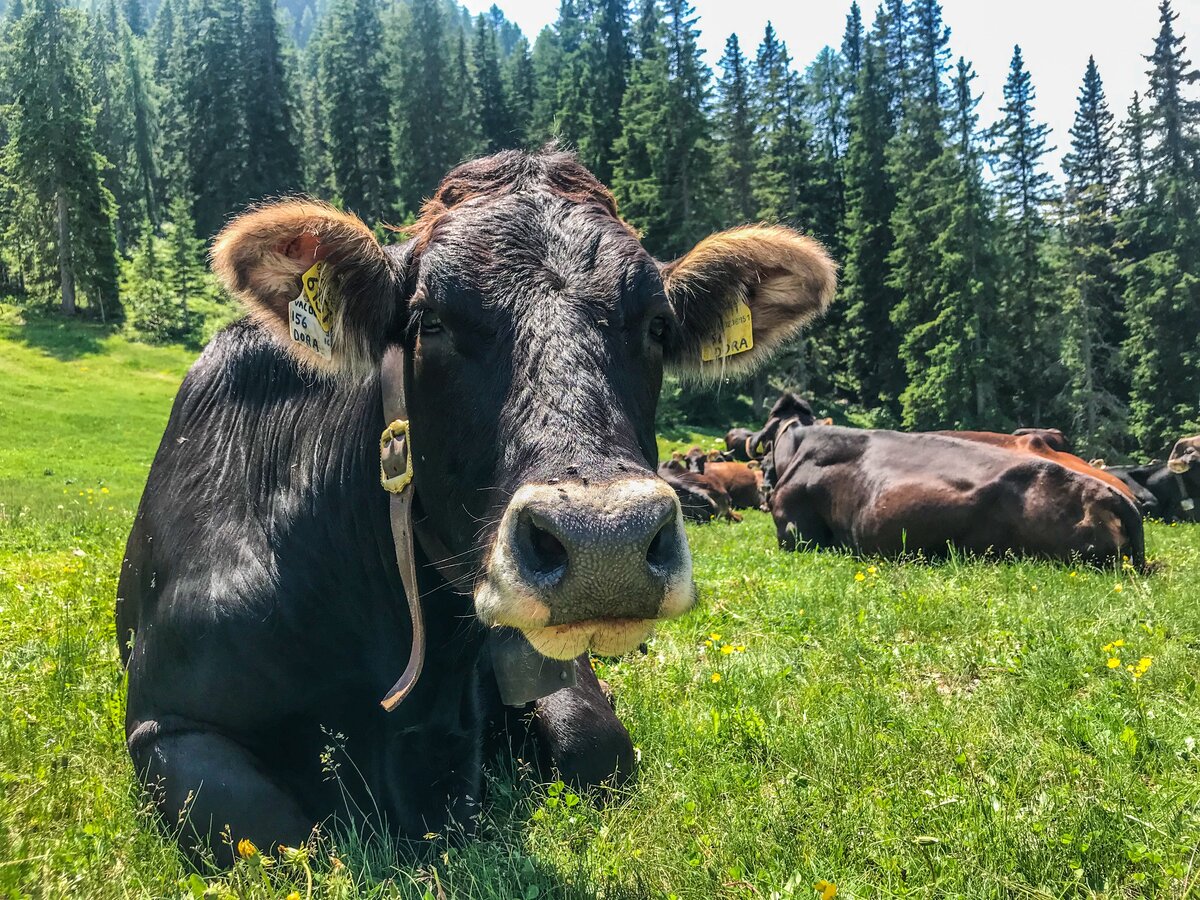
65 211
424 103
852 44
547 62
641 165
272 137
352 78
783 177
1025 189
464 105
520 86
736 134
1162 298
951 380
607 65
1092 312
689 187
569 117
492 112
916 165
161 38
204 119
871 371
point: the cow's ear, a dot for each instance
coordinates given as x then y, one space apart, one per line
262 256
784 278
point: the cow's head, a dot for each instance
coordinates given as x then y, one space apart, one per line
538 330
1184 455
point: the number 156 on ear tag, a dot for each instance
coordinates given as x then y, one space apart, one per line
736 335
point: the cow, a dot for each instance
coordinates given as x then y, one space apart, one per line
891 493
1167 491
1054 437
741 481
702 499
261 610
737 444
1034 440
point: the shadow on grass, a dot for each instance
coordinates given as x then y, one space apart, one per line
62 338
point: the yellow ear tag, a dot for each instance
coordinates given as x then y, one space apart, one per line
736 335
311 314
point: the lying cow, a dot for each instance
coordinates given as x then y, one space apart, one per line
518 339
741 481
1054 438
888 492
1044 443
1169 491
701 498
737 444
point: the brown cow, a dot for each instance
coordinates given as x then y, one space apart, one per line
1033 440
1054 437
741 481
888 492
701 497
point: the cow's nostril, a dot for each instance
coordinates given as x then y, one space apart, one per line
542 554
663 552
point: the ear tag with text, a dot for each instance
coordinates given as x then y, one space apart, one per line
311 314
736 335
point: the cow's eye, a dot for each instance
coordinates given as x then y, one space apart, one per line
658 328
431 322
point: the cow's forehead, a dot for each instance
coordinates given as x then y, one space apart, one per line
506 248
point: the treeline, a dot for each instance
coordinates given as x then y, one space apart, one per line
977 290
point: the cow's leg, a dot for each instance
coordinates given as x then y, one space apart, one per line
211 792
799 527
572 732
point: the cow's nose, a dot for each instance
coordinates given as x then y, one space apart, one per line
562 546
572 553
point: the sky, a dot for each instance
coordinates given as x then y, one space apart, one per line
1056 37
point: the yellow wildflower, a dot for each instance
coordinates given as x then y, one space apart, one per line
716 676
1073 574
859 576
246 848
294 895
740 648
827 889
104 490
727 649
714 637
1142 667
872 570
1118 588
1114 663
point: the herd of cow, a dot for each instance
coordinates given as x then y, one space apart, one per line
892 492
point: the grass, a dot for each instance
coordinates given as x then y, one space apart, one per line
899 729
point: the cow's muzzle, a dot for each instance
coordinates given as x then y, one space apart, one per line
588 567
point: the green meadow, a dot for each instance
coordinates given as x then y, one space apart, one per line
964 729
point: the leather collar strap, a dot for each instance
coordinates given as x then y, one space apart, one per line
396 474
522 674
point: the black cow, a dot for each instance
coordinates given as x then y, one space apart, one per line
260 609
1169 491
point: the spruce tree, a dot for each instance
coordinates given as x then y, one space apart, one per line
951 382
784 176
608 66
1163 289
1025 189
852 44
352 77
641 165
871 371
520 86
424 103
547 62
64 210
492 112
267 79
736 135
1091 300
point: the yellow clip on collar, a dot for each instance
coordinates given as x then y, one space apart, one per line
397 483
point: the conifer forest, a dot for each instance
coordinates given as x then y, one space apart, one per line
982 285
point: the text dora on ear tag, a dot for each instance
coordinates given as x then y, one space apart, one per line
736 335
310 314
